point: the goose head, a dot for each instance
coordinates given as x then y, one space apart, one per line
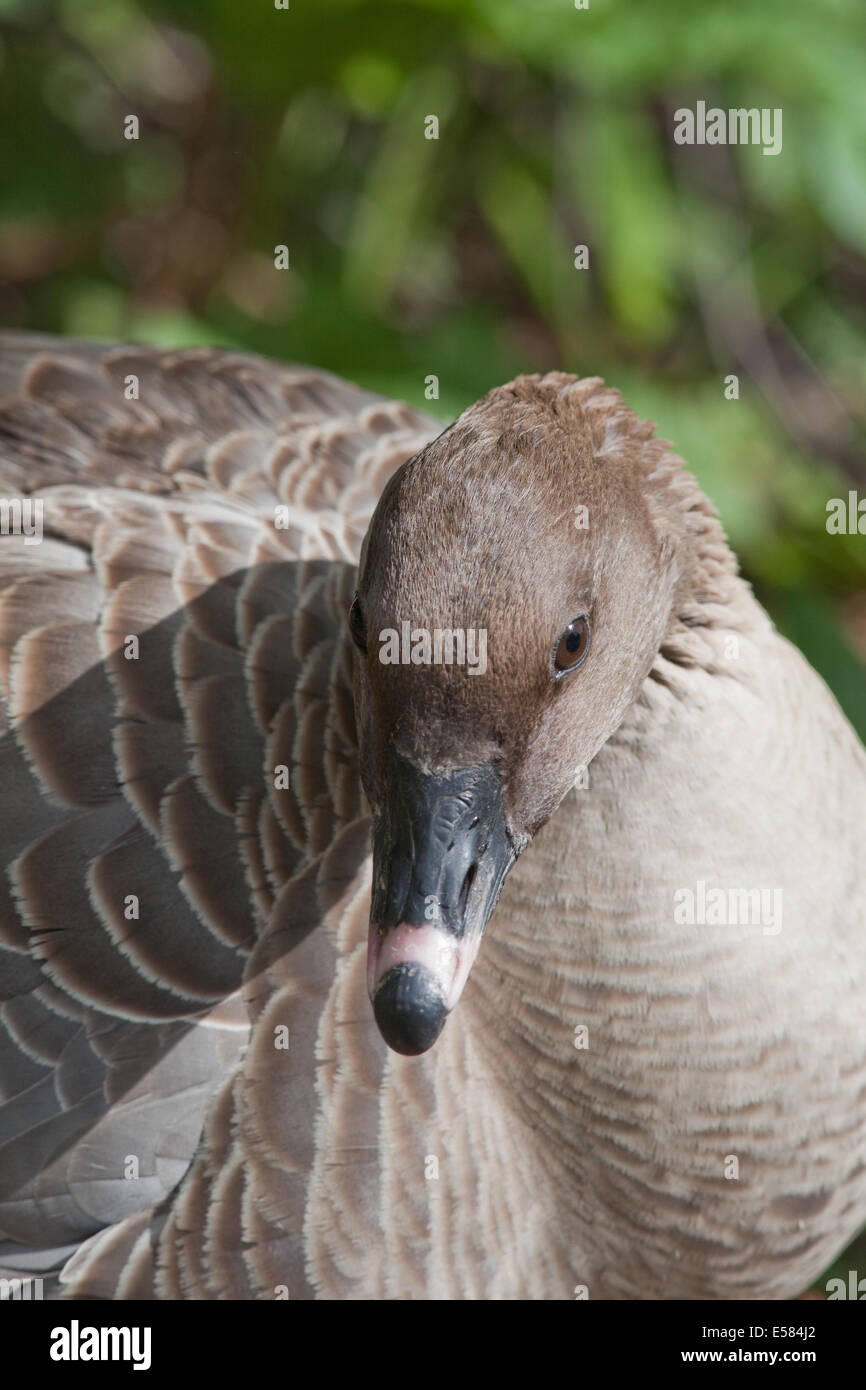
528 531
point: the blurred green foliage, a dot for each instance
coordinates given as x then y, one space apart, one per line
454 256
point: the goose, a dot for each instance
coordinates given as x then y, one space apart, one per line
249 863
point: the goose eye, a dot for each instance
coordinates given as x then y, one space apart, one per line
357 626
572 647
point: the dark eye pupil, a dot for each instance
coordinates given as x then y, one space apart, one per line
572 646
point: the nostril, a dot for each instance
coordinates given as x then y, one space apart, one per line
465 890
472 823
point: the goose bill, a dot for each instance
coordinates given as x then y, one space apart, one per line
441 851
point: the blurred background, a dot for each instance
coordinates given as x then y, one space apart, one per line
454 257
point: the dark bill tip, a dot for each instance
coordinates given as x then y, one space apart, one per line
409 1009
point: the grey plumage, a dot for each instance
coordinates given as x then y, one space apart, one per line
306 1168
